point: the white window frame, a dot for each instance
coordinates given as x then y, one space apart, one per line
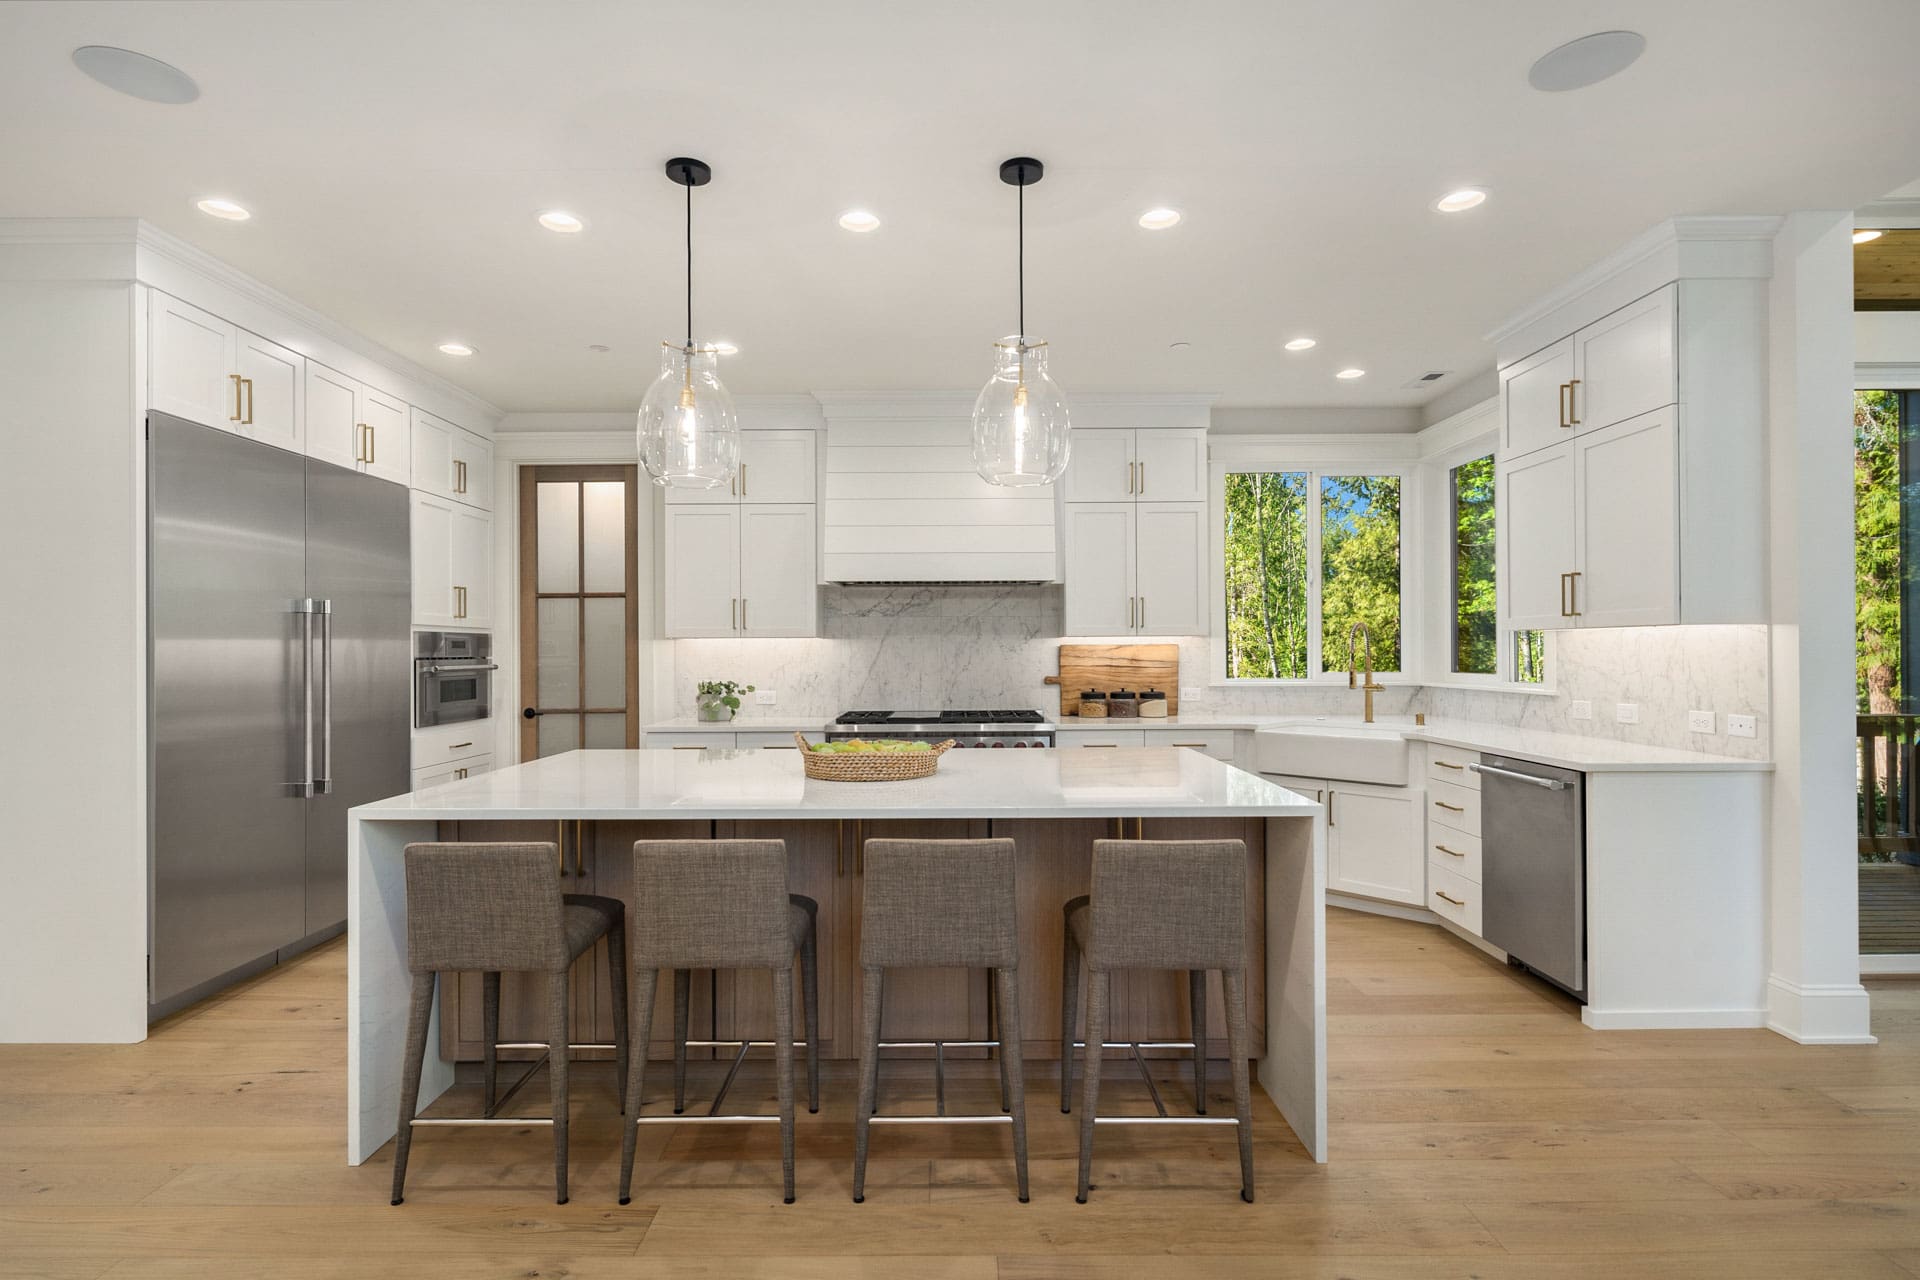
1317 456
1437 541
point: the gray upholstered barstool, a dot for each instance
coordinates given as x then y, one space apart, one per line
719 904
1159 904
495 907
929 904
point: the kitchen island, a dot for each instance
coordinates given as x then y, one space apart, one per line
1054 804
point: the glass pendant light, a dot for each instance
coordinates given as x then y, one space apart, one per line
1020 420
689 435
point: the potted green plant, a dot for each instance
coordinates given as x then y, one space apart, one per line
718 700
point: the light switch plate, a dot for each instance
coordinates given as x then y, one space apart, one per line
1743 726
1626 713
1581 709
765 698
1700 722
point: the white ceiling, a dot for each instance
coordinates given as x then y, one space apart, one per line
394 156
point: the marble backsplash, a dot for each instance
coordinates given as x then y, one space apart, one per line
991 646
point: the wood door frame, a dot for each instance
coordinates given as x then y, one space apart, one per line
530 477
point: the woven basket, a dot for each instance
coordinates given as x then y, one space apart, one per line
870 766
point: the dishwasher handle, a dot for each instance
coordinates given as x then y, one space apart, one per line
1546 784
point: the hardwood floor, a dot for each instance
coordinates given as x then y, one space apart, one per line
1478 1130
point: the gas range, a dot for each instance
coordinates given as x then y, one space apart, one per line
967 727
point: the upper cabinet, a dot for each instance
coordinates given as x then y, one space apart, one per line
741 571
1135 568
1632 448
452 563
775 467
206 370
451 462
351 424
1120 465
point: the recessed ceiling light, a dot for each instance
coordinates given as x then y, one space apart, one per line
1460 201
456 349
1588 60
1350 374
598 348
725 349
1861 237
859 220
219 208
1159 219
136 75
562 221
1300 344
1178 346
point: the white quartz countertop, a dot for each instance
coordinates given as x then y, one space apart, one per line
744 724
613 785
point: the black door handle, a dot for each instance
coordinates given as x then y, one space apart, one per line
530 713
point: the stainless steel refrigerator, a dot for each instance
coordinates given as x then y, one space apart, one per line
280 678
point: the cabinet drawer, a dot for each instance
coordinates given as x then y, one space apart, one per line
1455 806
1217 743
766 741
1456 851
1102 738
1449 764
691 741
446 744
1454 896
437 775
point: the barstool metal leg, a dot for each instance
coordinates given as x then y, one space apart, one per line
419 1012
682 1001
1012 1074
622 1044
1197 1000
1099 987
783 1062
870 989
642 1026
559 1056
490 1028
1069 1017
1234 983
810 1005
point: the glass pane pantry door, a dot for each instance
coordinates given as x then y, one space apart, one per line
579 609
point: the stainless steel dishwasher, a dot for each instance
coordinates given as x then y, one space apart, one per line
1533 848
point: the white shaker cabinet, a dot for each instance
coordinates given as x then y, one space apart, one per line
1537 495
450 462
472 469
1625 363
1100 467
206 370
1533 400
351 424
1118 465
775 467
1099 569
1375 845
702 563
779 591
1135 568
452 563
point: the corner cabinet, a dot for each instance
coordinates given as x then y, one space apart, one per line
1135 533
1375 845
452 563
1632 485
747 570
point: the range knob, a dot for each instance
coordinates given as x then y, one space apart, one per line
1019 744
979 744
999 744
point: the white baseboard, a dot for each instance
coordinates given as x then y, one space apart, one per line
1671 1019
1377 907
1826 1013
1890 966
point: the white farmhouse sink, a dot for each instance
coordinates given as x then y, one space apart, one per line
1342 753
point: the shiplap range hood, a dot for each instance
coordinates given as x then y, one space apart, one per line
904 505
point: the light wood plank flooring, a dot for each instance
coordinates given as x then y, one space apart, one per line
1478 1131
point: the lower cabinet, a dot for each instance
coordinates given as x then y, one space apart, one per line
453 771
1374 838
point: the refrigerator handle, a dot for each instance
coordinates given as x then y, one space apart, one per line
323 783
305 608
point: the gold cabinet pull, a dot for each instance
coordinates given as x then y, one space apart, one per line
859 847
235 415
359 442
456 746
839 847
1331 793
1454 807
689 748
373 438
459 476
579 847
1573 594
1455 852
1143 613
1573 403
1563 597
1441 893
560 841
459 602
1448 764
733 613
459 774
743 613
1197 746
1092 745
248 384
743 479
1564 424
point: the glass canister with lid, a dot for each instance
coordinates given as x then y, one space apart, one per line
1093 705
1123 704
1153 704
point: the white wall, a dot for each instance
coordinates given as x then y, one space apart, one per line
73 767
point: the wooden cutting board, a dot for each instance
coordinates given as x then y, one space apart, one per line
1117 666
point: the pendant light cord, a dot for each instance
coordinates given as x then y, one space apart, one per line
689 268
1023 265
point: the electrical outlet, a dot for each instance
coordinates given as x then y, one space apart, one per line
1189 692
1700 722
1743 727
765 698
1580 710
1626 713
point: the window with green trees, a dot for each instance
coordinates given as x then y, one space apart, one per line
1476 627
1277 587
1878 535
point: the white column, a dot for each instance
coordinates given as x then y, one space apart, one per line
1813 989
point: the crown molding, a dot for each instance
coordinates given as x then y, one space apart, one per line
1889 215
565 446
1687 246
